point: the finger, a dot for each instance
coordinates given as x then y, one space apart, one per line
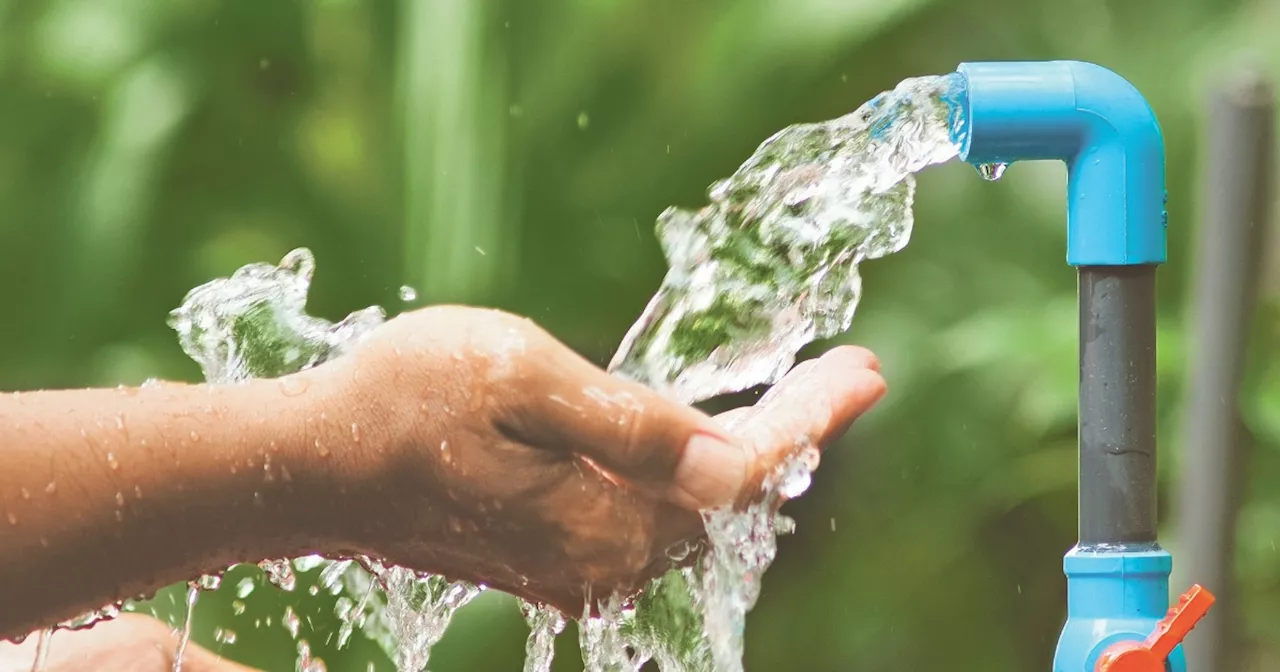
630 430
816 406
734 418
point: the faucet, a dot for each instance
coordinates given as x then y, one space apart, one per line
1118 616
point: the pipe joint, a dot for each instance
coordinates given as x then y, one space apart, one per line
1100 126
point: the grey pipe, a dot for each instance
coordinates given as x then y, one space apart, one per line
1117 405
1238 176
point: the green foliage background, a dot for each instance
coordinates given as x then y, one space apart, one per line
515 153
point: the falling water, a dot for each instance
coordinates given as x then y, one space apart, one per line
768 266
545 623
42 649
184 638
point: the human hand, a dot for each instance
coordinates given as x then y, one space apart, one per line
493 453
129 643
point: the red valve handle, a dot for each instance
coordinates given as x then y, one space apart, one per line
1150 655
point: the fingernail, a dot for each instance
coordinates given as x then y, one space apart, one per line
711 473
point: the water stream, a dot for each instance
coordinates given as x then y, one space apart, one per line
768 266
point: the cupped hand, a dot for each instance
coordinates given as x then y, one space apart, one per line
498 455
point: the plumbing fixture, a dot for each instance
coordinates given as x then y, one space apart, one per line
1104 130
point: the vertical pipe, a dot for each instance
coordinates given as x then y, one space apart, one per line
1238 174
1117 405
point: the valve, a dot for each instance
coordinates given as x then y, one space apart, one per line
1149 655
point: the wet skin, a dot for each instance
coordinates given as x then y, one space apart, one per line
461 441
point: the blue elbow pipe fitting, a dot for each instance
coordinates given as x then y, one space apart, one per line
1103 129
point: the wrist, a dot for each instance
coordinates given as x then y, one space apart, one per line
338 466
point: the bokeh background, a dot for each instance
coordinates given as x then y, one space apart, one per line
515 153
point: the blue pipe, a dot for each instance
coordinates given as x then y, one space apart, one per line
1096 122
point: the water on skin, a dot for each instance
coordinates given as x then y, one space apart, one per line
768 266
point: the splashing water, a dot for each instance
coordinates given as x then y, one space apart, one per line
545 623
418 610
254 324
769 266
772 263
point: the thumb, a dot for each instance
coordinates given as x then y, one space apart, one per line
633 432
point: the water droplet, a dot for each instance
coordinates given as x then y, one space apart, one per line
355 432
51 488
26 494
111 462
481 251
195 436
209 582
13 518
280 574
224 636
292 386
245 587
408 293
119 499
680 550
119 516
833 524
120 423
137 491
992 171
258 501
583 120
237 607
444 452
291 622
322 449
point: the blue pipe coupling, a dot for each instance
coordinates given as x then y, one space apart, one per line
1112 597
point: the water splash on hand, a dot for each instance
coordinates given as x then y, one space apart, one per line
254 324
770 265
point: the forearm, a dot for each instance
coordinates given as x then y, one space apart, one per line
109 494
